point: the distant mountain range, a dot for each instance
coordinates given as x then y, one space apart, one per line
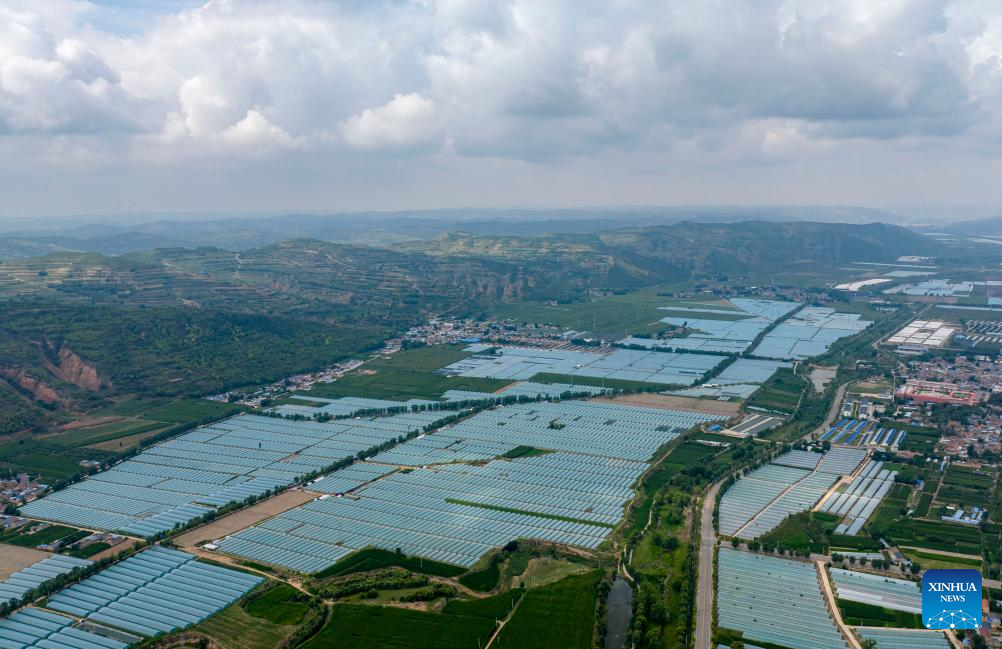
118 235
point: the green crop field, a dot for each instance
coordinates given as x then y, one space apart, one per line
180 412
561 614
408 374
356 627
50 461
690 453
374 558
48 535
859 614
495 607
803 532
105 432
278 606
235 628
935 535
925 502
781 392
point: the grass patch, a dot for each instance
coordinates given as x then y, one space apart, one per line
495 607
104 432
932 560
526 512
41 537
484 580
374 558
235 628
525 451
690 453
859 614
278 605
561 614
361 627
806 531
780 393
180 412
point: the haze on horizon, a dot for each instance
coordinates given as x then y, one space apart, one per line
118 106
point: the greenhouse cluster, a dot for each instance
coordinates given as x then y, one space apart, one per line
774 600
605 429
181 479
861 498
809 332
155 591
32 627
17 584
904 638
452 513
877 590
521 363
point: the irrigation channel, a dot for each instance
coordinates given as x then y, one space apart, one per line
618 612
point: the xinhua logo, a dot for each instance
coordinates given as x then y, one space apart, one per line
951 599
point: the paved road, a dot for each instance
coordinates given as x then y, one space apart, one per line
704 582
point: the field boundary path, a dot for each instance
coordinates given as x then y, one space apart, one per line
829 595
704 579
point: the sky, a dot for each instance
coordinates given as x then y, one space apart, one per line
170 105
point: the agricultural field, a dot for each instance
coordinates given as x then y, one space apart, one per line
24 538
860 614
408 374
780 393
803 532
963 486
560 614
352 626
52 462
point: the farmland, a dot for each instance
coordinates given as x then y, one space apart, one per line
560 614
351 626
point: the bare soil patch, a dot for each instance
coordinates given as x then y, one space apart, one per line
14 558
243 518
670 402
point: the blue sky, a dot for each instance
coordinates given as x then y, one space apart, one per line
384 104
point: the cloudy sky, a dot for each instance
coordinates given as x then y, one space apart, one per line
168 105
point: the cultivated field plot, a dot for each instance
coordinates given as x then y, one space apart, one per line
790 611
19 583
934 287
597 428
860 432
809 332
904 638
717 330
153 592
876 590
454 514
351 406
861 498
32 627
792 483
520 363
231 460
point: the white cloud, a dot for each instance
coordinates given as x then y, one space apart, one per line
538 81
404 121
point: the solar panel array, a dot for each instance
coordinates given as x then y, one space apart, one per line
861 498
521 363
774 600
860 432
183 478
904 638
792 483
809 332
606 429
876 590
155 591
32 627
454 513
30 578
